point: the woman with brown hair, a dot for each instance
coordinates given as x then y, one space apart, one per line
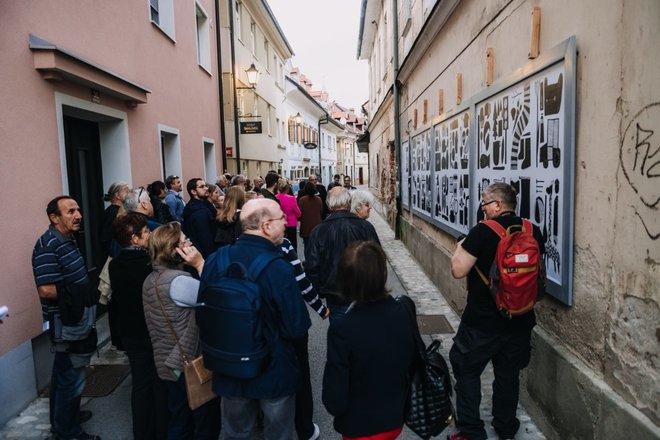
168 295
311 209
371 350
229 226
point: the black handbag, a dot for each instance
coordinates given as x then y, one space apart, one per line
429 409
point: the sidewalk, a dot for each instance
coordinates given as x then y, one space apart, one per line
112 419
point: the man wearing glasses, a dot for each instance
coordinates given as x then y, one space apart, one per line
199 217
173 198
484 334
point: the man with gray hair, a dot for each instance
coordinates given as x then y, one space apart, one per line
326 244
138 200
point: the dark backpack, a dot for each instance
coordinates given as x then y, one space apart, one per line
517 276
230 316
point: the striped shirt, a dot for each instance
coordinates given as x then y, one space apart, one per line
306 289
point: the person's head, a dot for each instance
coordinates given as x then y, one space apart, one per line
310 189
173 182
347 182
214 195
64 214
197 189
138 200
258 182
157 190
362 272
313 178
339 199
251 195
498 198
336 178
271 181
361 203
264 217
234 200
238 180
116 193
131 230
163 243
221 181
283 186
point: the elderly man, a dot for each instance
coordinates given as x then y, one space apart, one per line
60 274
199 223
222 183
273 389
138 200
484 335
173 199
327 242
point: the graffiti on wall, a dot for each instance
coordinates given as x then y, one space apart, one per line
520 140
451 172
421 173
639 156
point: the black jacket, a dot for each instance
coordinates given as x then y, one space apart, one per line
326 244
199 225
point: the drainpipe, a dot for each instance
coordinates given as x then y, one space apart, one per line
221 98
397 122
233 83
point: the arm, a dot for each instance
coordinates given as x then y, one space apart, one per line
292 317
47 291
183 291
296 209
461 262
306 288
313 259
192 257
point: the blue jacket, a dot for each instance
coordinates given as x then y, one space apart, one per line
175 203
199 225
289 320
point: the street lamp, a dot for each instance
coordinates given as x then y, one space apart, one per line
298 118
252 76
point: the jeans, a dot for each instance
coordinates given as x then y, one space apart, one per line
471 352
239 415
304 400
186 424
66 386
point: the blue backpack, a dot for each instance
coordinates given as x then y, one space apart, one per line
230 316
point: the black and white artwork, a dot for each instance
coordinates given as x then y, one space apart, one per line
405 174
451 172
520 136
421 172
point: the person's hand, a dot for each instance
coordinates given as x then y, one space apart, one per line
327 313
192 257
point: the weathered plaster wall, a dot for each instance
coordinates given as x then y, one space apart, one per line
613 325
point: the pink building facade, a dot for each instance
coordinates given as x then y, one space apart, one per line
92 92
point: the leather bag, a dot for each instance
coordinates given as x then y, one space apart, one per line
429 409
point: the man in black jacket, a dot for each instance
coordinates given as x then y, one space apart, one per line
326 244
199 223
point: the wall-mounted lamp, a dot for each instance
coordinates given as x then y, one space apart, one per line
298 118
252 76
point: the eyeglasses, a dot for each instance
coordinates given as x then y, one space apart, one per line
273 219
185 242
482 203
140 193
203 186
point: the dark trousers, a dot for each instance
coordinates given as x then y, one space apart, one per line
304 399
472 350
185 424
66 386
148 398
292 235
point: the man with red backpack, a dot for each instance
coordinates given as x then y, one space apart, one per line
502 258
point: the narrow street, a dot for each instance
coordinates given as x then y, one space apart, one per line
112 414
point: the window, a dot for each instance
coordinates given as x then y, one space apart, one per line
253 37
269 115
237 9
210 169
266 55
162 15
203 38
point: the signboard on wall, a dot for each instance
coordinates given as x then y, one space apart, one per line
253 127
521 131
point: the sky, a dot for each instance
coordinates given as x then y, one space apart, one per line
323 35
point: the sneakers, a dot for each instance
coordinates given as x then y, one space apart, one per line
81 436
317 432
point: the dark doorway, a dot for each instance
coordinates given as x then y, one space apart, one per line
84 173
361 176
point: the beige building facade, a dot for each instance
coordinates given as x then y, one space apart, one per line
561 99
93 92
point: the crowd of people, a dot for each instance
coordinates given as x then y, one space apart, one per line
163 252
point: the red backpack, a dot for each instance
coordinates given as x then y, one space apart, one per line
517 277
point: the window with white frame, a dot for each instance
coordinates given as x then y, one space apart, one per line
162 15
210 168
170 150
269 116
203 38
237 19
253 37
267 55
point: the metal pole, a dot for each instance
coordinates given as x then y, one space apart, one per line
397 122
233 82
221 98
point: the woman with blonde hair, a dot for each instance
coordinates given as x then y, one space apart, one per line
169 295
229 226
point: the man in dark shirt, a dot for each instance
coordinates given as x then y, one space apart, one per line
335 182
199 223
271 184
484 334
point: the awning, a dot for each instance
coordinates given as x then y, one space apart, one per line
363 142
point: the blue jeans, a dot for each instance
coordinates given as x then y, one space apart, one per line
66 386
186 424
239 415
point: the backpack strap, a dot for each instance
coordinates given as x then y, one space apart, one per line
528 227
501 233
222 261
